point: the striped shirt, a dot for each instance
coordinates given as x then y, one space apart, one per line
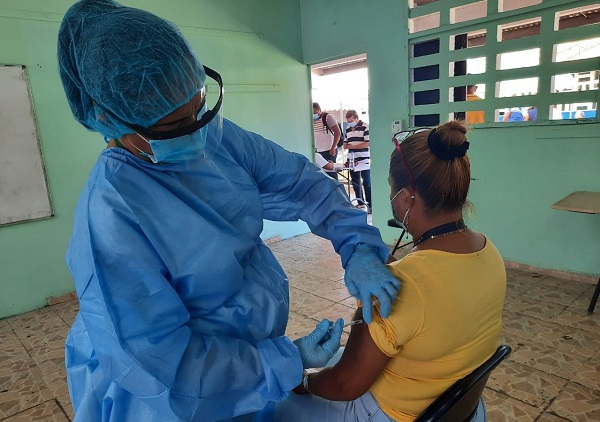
356 135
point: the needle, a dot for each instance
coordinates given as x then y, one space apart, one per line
353 322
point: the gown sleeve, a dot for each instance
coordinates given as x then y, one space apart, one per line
292 188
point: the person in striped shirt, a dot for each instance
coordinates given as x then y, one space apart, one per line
357 144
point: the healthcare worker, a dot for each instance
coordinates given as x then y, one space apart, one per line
183 309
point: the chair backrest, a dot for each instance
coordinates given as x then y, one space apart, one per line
459 402
392 223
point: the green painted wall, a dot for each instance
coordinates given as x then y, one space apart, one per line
258 49
256 46
520 170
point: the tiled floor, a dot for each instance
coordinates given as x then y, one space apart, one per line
553 374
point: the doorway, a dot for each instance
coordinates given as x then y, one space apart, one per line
339 86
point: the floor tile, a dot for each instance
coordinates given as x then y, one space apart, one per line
544 357
315 242
33 341
21 387
549 417
519 281
583 301
288 250
589 374
299 325
336 311
513 340
350 302
11 352
565 338
47 349
554 295
67 311
501 408
4 326
326 270
296 277
65 403
41 321
57 382
579 318
577 403
330 272
307 303
10 347
47 412
331 290
524 326
547 311
555 283
525 384
560 336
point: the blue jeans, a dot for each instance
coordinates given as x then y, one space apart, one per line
300 408
309 408
365 175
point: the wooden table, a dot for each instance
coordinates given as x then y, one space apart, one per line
588 203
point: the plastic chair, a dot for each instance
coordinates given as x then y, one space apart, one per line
459 402
392 223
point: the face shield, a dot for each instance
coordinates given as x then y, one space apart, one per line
213 115
186 142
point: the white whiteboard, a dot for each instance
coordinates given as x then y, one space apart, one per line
23 188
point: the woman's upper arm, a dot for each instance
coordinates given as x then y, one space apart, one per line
361 364
362 358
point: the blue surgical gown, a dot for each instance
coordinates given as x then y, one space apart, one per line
183 309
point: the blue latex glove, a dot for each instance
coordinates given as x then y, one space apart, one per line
319 346
367 276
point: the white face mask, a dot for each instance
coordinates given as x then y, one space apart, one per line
404 223
351 124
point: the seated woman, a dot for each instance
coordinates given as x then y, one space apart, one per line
446 319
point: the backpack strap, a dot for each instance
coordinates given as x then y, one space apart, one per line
324 120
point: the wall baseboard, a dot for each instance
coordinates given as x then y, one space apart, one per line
271 240
566 275
54 300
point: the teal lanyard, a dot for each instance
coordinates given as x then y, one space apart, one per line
447 228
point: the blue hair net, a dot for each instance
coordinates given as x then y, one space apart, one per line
120 64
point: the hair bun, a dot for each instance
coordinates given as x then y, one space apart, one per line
445 151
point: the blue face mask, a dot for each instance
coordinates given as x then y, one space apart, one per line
351 124
315 116
177 150
180 149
